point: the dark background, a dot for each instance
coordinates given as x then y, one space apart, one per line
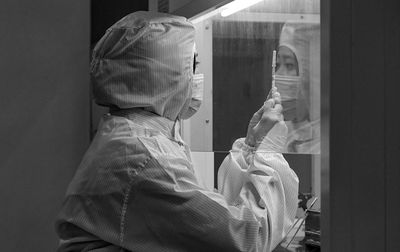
360 86
105 13
44 96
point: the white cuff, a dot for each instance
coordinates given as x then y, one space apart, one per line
275 140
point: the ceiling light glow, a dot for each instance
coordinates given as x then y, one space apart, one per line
236 6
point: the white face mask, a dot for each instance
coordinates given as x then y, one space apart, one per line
288 87
197 96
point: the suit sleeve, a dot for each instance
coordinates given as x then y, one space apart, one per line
254 207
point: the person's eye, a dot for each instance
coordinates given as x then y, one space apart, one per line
289 66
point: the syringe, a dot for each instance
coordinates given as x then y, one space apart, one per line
273 73
273 67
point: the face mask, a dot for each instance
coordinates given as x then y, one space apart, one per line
288 87
197 96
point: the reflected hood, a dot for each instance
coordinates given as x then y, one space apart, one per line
304 41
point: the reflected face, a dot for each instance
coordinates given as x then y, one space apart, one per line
286 62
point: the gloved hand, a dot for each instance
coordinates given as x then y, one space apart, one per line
264 120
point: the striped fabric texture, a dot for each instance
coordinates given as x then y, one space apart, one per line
145 60
136 190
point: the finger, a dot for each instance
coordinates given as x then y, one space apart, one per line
268 104
277 97
278 100
257 115
274 90
278 108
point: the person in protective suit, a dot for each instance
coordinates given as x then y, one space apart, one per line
136 189
298 81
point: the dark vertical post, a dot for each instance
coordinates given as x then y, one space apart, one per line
44 90
391 63
360 77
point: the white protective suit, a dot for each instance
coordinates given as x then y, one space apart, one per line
303 39
135 189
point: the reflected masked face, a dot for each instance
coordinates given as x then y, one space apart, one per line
288 82
197 89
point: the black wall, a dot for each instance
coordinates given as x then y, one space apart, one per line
45 102
105 13
44 123
360 86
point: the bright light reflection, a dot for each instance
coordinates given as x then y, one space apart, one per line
236 6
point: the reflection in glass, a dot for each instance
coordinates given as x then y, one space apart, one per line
236 56
297 79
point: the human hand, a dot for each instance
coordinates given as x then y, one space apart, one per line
264 119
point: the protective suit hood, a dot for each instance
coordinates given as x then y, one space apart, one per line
145 60
297 37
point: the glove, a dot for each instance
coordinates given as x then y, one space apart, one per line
264 120
275 140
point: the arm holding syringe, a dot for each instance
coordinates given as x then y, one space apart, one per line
267 116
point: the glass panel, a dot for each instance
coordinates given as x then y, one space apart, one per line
235 54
